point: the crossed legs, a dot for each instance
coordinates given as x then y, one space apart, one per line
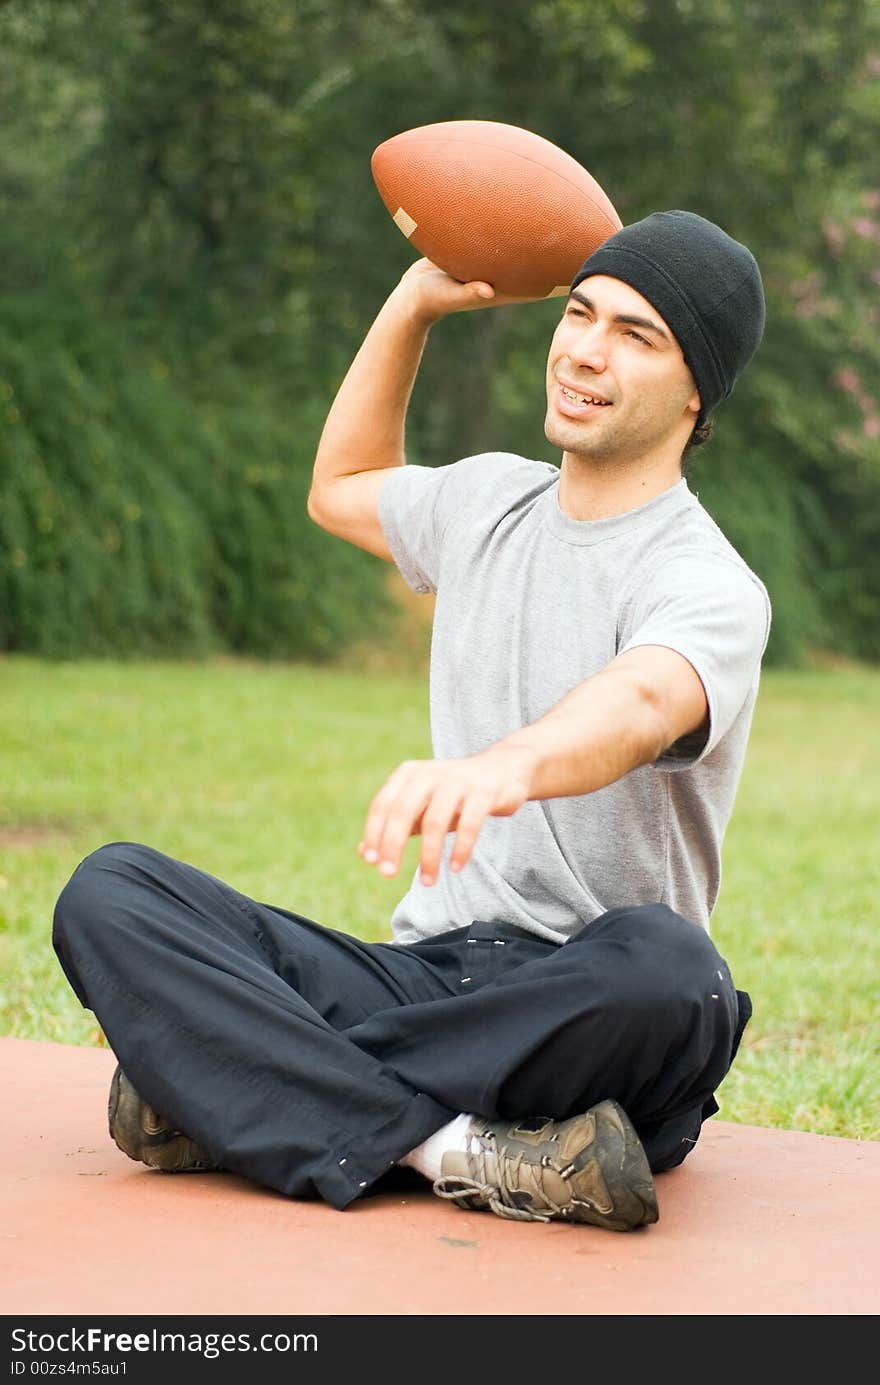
312 1062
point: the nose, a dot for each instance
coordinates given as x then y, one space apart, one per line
588 347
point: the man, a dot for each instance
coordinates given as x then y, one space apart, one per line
551 1021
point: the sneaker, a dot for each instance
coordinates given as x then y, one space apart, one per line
591 1168
143 1135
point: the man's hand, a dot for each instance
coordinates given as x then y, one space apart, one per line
434 797
432 293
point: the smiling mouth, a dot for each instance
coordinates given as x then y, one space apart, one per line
574 398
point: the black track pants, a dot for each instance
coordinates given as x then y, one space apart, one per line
311 1062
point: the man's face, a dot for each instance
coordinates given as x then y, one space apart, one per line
618 386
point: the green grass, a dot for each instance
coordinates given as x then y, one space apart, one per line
262 773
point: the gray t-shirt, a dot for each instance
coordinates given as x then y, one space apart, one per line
529 604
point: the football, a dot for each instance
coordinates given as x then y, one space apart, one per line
493 202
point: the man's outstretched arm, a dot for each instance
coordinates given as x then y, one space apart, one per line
621 718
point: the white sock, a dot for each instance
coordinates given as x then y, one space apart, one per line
427 1157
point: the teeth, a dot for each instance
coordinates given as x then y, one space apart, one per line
580 398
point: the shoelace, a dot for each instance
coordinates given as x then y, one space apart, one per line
497 1193
466 1188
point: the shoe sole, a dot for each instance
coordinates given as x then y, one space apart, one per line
626 1172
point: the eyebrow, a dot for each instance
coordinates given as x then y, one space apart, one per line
630 319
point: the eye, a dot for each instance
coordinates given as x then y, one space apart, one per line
637 336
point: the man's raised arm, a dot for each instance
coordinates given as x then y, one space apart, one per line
363 437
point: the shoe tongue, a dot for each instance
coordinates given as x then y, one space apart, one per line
455 1164
458 1164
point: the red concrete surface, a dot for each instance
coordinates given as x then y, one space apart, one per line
756 1222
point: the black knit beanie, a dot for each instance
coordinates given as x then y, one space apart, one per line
705 285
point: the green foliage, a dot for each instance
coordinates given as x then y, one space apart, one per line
144 509
187 189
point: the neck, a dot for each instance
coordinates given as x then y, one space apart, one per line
591 489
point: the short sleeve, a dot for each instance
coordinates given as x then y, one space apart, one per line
417 504
410 512
716 613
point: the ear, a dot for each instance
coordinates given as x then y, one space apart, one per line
694 404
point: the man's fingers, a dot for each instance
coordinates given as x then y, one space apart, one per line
432 798
439 818
403 815
377 813
474 812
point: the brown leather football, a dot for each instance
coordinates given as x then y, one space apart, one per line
490 201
